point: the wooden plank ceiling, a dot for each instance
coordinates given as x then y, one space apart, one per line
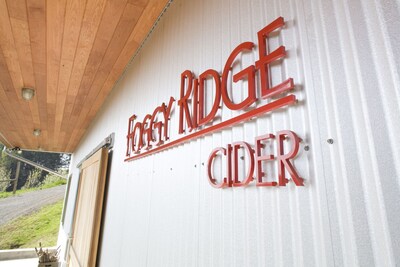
71 52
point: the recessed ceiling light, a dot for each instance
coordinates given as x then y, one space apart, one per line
37 132
27 93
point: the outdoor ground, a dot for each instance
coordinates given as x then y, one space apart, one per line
30 218
16 206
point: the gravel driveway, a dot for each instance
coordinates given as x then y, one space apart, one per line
16 206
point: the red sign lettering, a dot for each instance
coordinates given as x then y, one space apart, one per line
151 135
142 135
255 160
265 59
246 73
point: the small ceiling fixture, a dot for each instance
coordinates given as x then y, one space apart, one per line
37 132
16 149
27 93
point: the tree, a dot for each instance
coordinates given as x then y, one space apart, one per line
54 161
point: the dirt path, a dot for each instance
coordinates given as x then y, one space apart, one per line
16 206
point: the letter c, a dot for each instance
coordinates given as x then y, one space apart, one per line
211 179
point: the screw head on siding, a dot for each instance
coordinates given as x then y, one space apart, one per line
306 148
330 141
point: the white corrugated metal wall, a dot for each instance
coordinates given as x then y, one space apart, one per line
344 57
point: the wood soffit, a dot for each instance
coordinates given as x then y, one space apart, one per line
71 52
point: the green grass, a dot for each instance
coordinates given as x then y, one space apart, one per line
18 192
53 184
27 231
22 191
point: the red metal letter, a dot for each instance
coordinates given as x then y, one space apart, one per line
202 78
283 159
130 136
195 104
265 59
183 101
225 181
167 114
147 130
138 127
249 177
155 125
248 72
259 158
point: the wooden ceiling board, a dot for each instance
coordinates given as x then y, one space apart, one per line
122 32
9 119
111 16
55 32
20 29
11 102
73 21
36 12
8 45
89 29
4 117
146 21
133 43
11 71
71 52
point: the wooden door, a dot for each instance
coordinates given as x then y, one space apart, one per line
88 209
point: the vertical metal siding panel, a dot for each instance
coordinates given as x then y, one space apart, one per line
376 230
209 59
227 208
326 252
323 91
250 196
390 25
208 201
238 233
384 60
357 223
378 126
299 223
258 244
269 221
384 36
363 232
292 117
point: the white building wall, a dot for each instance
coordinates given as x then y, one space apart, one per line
344 57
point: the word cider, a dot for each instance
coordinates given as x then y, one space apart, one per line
255 158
